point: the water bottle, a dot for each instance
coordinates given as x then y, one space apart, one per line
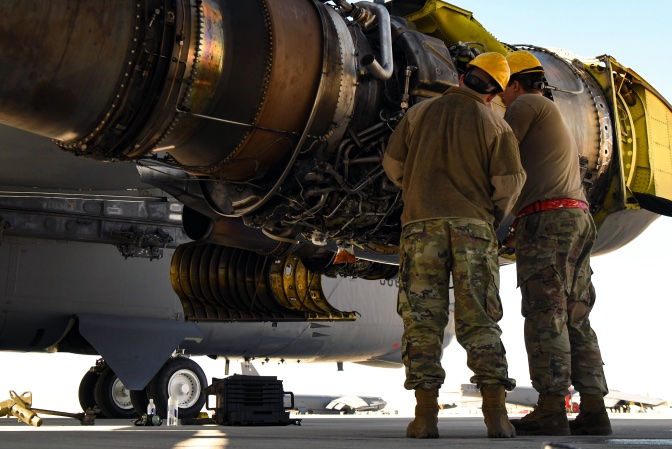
172 411
151 408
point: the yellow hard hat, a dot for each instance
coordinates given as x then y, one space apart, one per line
523 62
494 65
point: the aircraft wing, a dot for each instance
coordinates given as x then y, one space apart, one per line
526 396
615 397
156 129
257 197
521 395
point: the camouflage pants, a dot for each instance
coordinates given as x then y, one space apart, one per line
553 267
430 250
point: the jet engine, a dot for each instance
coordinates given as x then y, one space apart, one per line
268 119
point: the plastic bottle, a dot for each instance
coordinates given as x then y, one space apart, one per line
151 408
172 411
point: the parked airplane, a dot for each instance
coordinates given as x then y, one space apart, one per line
250 198
325 404
620 401
349 404
527 397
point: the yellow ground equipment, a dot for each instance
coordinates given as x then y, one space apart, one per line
21 406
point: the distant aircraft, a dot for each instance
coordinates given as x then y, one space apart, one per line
620 401
326 404
243 140
527 396
318 404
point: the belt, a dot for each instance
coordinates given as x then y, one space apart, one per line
559 203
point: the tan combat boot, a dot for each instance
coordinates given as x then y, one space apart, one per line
593 418
494 412
548 418
426 415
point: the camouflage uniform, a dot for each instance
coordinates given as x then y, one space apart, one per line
457 163
553 265
430 250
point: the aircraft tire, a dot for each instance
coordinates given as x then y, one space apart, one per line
140 400
86 387
186 379
112 397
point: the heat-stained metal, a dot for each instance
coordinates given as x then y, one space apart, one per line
268 118
218 283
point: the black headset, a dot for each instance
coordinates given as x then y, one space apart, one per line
482 87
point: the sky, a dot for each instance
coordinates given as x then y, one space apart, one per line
633 310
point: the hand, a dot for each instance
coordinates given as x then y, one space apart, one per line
508 247
510 241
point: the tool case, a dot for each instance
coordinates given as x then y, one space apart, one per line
250 401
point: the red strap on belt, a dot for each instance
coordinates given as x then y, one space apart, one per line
559 203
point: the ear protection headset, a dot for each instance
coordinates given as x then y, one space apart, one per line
477 84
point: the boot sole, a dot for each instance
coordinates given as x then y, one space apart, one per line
501 435
598 431
423 437
554 432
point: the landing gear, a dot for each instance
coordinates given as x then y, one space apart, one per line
102 388
112 397
180 377
185 380
86 387
140 401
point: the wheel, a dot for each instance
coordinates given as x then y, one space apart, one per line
112 397
184 379
140 400
86 387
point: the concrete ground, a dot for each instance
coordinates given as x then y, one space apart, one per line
351 432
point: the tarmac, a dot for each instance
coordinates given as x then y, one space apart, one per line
351 432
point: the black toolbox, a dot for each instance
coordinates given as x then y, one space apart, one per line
249 401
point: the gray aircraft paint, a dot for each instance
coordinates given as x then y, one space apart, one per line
50 282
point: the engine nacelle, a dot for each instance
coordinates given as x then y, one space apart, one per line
279 110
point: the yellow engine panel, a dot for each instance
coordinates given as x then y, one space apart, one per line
650 171
629 160
452 24
643 127
642 117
